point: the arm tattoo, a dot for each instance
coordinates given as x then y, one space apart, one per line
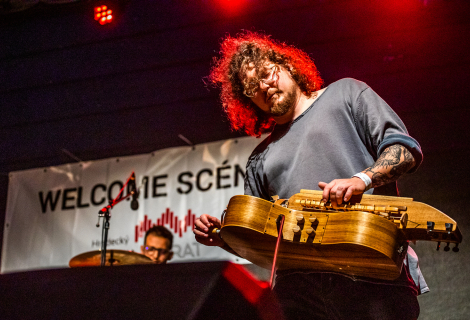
392 163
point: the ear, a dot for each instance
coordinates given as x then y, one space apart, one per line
170 256
142 249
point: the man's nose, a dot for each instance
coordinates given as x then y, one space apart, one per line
154 255
265 85
268 83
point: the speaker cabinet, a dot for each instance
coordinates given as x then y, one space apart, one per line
208 290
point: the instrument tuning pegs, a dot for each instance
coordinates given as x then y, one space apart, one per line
447 248
430 225
438 245
449 227
299 217
456 248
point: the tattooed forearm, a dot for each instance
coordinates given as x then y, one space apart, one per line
392 163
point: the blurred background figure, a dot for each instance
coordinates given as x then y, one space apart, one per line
157 244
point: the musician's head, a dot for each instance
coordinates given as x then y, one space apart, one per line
249 62
157 246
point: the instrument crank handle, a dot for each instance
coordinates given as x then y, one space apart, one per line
214 232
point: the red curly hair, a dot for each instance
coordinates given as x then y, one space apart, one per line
229 68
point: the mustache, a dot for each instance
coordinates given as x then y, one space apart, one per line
268 97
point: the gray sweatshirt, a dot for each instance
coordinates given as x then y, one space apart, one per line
342 133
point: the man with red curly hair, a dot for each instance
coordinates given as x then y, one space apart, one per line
344 134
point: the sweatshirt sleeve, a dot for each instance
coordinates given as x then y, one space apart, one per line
254 176
380 127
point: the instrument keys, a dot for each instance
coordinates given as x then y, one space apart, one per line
312 219
299 217
310 231
296 229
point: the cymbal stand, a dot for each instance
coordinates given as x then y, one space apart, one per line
105 213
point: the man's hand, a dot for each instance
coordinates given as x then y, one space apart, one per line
340 190
392 163
202 228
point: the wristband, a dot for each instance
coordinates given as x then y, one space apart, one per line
364 177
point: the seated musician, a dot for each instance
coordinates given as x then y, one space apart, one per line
343 139
157 244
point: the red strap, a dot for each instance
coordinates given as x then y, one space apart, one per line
279 236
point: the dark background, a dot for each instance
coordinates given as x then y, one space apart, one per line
71 89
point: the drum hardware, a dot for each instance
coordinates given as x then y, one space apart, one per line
105 213
112 258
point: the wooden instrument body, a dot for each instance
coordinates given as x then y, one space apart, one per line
356 243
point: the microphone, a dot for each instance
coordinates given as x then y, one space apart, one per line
135 195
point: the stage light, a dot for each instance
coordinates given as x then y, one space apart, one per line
103 14
232 7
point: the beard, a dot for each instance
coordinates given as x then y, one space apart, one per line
280 108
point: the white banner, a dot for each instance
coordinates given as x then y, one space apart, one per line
52 213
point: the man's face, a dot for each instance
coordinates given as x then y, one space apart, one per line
277 93
157 249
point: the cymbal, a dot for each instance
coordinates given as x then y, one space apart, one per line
113 258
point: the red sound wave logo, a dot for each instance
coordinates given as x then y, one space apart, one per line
168 219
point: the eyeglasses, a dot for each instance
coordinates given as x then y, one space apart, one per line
268 76
153 250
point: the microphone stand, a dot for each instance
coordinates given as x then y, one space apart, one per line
105 213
